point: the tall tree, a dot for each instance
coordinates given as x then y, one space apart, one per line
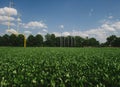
6 40
53 40
79 41
47 40
90 42
86 42
0 41
93 42
20 40
57 39
38 40
68 41
110 40
13 40
116 42
31 40
50 40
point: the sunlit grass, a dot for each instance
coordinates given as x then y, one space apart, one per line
64 67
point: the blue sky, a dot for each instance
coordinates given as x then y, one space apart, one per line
92 18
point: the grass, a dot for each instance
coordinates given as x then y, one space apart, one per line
59 67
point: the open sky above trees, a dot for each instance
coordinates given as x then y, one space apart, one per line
85 18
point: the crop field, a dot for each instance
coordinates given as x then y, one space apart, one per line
59 67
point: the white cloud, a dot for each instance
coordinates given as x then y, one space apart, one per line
6 18
13 31
61 26
1 34
107 27
35 25
27 32
18 19
100 33
79 33
91 12
65 33
44 30
6 14
104 31
8 11
116 25
57 33
110 17
6 23
39 33
74 33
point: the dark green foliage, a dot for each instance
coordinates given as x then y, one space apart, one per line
79 41
35 41
20 40
13 40
57 39
116 42
1 41
38 40
59 67
51 40
31 41
110 40
5 40
93 42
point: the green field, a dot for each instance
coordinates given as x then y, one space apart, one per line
59 67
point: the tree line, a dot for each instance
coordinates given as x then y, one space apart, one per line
50 40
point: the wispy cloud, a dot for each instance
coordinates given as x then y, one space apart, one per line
18 19
8 14
100 33
5 18
8 11
35 25
65 33
57 33
13 31
40 33
91 12
27 32
11 14
6 23
110 17
61 26
44 30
